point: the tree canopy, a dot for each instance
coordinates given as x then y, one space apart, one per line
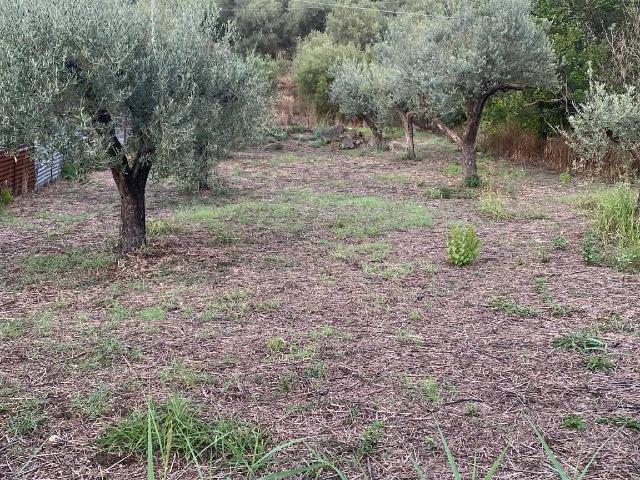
142 86
469 53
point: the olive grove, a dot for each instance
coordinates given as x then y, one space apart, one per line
140 85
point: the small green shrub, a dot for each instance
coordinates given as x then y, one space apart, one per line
471 409
565 177
430 390
277 345
72 170
6 196
590 250
463 245
599 362
370 439
473 182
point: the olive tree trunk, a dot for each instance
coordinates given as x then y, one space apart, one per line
407 122
467 142
469 139
376 141
132 185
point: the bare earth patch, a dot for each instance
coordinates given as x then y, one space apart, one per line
275 305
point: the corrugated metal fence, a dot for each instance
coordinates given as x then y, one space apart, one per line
21 173
17 171
48 166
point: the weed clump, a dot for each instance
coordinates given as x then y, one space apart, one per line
614 238
463 245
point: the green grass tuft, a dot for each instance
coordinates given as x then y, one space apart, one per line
178 427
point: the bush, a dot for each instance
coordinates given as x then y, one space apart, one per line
314 60
6 196
463 245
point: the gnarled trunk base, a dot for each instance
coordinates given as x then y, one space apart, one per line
376 141
132 186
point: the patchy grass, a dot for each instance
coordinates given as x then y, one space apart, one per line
345 215
629 422
179 373
53 263
11 328
494 206
615 235
311 296
574 421
401 178
541 287
92 405
232 305
452 170
512 307
27 415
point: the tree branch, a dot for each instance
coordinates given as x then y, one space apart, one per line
503 87
453 136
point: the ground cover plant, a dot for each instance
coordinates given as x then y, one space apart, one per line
319 306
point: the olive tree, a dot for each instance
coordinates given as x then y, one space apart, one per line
359 92
608 120
402 94
145 85
469 53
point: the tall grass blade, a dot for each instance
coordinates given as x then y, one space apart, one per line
150 466
450 458
550 455
258 464
593 458
419 471
496 465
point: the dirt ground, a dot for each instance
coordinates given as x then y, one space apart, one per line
366 337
